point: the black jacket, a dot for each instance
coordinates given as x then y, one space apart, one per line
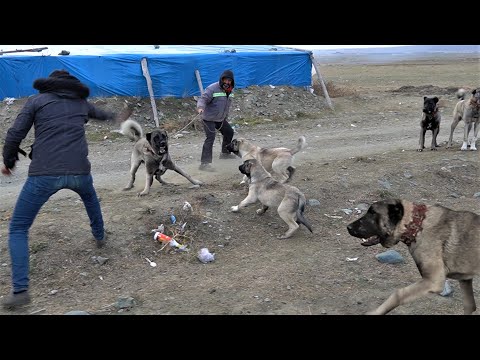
59 114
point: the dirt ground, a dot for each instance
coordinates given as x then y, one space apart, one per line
362 151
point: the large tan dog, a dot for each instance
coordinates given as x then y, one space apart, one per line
444 243
151 149
467 110
289 200
278 161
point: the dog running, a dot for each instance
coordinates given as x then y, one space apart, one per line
443 243
289 200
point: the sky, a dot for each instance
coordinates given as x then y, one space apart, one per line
329 47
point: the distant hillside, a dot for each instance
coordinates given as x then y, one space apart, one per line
392 54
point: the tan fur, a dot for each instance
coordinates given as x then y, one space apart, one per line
288 200
446 246
468 111
277 160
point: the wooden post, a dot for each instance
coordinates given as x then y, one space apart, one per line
324 88
199 80
150 90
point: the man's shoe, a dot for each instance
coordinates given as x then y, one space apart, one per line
13 300
206 167
227 156
101 243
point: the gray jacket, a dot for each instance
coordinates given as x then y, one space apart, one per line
215 101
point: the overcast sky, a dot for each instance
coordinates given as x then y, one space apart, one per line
327 47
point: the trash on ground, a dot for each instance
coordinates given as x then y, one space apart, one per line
205 256
152 263
167 240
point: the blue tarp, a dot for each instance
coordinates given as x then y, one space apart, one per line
172 70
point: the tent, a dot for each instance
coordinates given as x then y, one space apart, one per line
175 71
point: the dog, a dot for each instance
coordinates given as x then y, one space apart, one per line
430 121
151 149
444 243
289 200
467 110
278 161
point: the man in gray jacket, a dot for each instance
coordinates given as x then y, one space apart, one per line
59 161
214 106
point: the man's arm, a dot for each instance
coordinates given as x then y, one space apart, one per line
15 135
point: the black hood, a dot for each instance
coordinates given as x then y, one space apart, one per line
228 74
62 84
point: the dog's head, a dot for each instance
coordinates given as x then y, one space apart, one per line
379 223
158 140
235 146
430 105
247 166
476 96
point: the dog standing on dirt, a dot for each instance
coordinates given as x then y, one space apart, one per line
289 200
467 110
151 149
430 121
278 161
444 243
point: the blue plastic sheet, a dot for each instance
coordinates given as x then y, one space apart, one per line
171 68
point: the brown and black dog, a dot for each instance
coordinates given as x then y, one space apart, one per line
430 121
151 149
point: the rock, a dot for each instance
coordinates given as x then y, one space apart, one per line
390 257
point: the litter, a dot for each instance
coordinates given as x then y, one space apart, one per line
169 241
205 256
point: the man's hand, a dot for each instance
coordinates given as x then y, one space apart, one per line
5 171
124 114
200 110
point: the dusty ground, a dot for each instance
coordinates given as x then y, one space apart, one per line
363 151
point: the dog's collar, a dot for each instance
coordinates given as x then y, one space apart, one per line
415 225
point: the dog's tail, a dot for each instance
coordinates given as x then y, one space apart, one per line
131 129
300 218
301 143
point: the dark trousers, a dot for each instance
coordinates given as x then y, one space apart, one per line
210 128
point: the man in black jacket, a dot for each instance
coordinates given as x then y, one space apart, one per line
59 161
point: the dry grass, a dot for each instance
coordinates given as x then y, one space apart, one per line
333 90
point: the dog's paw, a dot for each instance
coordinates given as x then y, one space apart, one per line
464 146
198 182
473 148
234 208
243 182
127 188
283 236
143 193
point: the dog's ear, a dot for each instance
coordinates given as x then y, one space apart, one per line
435 99
395 212
424 98
148 136
474 91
